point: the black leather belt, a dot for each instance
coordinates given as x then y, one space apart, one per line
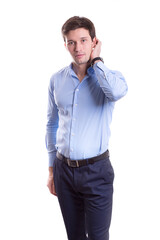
80 163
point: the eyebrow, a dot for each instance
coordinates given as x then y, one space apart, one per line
70 40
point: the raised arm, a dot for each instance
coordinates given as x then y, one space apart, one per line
112 82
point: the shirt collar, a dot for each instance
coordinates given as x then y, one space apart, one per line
71 70
90 70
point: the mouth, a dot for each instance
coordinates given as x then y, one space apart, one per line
79 55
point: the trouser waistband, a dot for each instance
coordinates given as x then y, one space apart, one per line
83 162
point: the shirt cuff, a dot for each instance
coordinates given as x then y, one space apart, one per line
101 66
51 158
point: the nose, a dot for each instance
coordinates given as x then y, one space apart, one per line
78 47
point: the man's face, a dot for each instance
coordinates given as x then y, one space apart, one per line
79 44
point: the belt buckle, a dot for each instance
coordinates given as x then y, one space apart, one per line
72 163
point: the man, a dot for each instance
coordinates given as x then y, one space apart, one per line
81 102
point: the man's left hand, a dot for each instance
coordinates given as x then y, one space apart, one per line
96 50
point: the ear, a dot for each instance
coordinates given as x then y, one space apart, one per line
94 41
65 46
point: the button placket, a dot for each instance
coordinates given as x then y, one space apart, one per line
74 116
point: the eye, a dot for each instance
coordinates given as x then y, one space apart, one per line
71 43
84 40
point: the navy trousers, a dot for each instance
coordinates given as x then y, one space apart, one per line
85 198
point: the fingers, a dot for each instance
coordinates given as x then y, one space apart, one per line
96 50
53 190
51 187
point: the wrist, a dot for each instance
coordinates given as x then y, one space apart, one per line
50 171
95 60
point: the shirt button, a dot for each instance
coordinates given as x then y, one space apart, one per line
71 149
73 134
77 89
76 104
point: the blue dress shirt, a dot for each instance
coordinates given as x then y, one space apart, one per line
80 113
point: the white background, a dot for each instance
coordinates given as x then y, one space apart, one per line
31 50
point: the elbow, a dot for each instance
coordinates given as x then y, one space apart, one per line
115 95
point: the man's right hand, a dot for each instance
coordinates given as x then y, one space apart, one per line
50 183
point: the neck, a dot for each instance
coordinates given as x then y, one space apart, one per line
80 70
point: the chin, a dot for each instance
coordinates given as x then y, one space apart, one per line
82 62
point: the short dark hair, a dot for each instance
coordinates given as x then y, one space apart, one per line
76 22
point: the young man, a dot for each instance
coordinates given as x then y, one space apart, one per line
81 102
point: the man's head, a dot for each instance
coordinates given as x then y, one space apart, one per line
79 38
76 22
